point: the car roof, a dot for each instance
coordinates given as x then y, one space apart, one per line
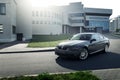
88 33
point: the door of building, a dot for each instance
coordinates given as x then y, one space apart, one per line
19 36
99 29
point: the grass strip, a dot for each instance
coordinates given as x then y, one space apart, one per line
44 44
40 41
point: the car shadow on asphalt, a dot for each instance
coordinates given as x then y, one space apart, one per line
96 61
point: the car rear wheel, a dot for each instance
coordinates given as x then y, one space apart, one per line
83 54
106 48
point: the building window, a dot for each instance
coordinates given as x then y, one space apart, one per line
32 13
37 13
48 14
37 22
48 22
33 22
1 28
76 15
77 21
45 22
14 29
2 9
41 14
45 14
87 23
99 18
104 24
41 22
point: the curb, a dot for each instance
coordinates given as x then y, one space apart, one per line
47 50
41 73
115 35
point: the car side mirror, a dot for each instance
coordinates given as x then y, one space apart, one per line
92 40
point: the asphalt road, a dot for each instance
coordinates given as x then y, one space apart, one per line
39 62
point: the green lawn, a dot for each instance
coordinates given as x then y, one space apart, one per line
44 44
47 40
45 76
117 34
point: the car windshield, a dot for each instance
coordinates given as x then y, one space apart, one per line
81 37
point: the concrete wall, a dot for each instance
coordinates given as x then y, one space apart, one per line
24 20
73 8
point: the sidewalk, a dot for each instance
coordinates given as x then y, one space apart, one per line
108 74
21 47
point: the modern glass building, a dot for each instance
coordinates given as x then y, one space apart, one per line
98 18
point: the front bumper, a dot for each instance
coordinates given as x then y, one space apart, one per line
67 53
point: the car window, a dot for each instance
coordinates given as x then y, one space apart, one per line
81 37
85 37
101 37
75 37
95 36
98 37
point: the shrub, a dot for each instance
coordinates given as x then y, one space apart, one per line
117 30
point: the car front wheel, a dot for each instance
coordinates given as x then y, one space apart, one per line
83 54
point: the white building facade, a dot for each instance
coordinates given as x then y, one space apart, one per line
46 21
115 24
19 20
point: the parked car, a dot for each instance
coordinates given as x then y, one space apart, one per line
83 44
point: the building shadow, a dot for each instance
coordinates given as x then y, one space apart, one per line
12 44
97 61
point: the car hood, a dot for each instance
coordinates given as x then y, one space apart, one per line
73 42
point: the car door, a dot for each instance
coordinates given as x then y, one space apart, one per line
94 45
101 42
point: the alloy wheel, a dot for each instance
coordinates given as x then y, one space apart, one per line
84 54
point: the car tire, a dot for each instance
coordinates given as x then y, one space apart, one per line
106 48
83 54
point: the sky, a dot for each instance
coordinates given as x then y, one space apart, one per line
109 4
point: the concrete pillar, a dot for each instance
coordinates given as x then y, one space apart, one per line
80 29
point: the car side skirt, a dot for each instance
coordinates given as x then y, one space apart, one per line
96 51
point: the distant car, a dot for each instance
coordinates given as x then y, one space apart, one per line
83 44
